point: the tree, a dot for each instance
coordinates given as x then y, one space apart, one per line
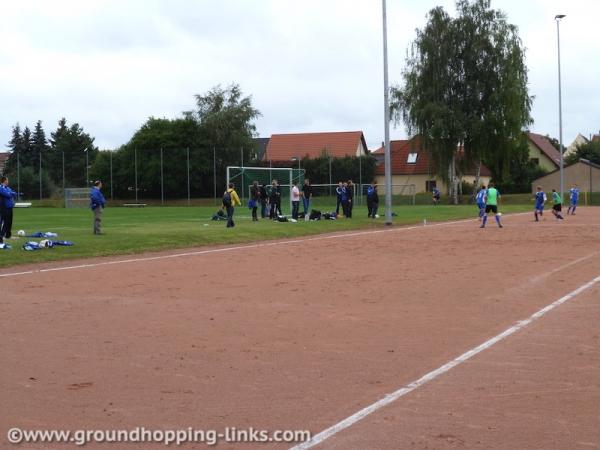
72 142
590 151
466 83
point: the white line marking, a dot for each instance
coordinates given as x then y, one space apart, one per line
389 398
239 247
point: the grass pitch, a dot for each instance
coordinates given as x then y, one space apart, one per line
137 230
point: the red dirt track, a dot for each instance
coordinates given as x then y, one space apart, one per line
300 335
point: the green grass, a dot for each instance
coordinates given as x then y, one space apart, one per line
129 230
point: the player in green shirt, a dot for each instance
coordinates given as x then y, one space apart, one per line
491 205
557 207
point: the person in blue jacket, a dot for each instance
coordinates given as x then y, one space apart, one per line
7 202
97 203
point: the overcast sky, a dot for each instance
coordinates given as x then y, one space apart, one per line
310 65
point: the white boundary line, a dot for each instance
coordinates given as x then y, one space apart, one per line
239 247
389 398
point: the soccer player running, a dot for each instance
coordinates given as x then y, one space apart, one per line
480 198
574 198
557 206
540 199
491 205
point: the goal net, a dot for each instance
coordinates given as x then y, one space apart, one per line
77 198
244 177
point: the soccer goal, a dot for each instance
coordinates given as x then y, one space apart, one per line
243 177
404 194
77 197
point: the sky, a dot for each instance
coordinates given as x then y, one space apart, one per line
309 66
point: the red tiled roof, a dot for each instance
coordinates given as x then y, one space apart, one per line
381 150
284 147
400 166
545 147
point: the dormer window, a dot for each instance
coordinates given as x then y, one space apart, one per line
412 158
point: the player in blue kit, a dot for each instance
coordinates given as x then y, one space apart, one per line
540 199
574 198
480 198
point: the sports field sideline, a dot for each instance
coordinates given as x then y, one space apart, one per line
484 338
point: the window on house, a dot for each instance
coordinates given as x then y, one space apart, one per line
536 161
412 158
429 185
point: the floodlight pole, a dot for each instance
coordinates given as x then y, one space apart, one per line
215 173
162 182
87 168
40 174
111 174
560 129
386 113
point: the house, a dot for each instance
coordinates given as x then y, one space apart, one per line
290 147
542 152
579 140
583 173
260 144
596 138
3 158
412 165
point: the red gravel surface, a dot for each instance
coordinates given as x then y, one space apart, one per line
298 335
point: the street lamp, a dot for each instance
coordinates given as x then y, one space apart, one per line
87 167
560 133
386 115
297 158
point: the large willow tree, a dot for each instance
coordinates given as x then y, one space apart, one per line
465 83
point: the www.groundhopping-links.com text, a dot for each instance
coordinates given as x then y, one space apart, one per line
166 437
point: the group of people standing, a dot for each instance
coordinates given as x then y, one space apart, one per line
7 203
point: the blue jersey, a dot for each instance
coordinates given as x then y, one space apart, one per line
574 195
481 197
540 198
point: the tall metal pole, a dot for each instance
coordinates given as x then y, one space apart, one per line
111 175
386 118
87 168
63 171
330 182
18 175
560 132
188 174
162 184
40 174
243 175
360 189
135 173
215 174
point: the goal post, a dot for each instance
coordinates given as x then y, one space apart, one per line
77 197
244 177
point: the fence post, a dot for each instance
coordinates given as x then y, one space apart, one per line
135 172
40 174
162 184
188 174
111 174
215 173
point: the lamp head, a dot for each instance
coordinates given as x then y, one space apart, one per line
559 16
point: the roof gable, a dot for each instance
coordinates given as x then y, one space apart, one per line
542 143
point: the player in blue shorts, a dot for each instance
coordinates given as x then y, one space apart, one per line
540 199
480 198
574 198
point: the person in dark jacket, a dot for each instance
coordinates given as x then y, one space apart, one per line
264 200
372 200
275 200
97 203
254 199
350 195
306 196
7 203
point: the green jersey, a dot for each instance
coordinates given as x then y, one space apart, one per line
556 198
492 197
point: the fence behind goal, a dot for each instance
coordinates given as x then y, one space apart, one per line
77 197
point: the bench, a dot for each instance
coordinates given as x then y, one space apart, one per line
134 205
